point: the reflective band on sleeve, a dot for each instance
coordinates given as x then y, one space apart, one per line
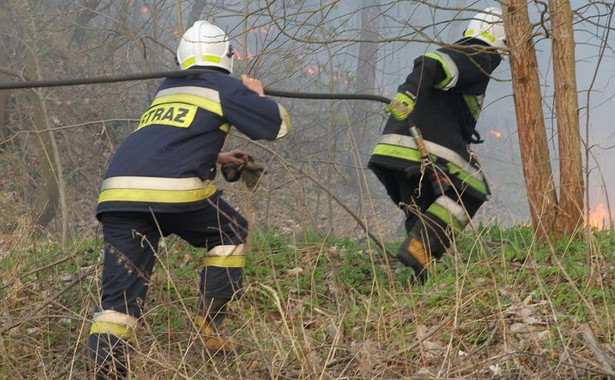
450 69
114 323
227 250
286 125
155 189
225 261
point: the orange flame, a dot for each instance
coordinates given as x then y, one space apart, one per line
311 70
599 217
145 10
495 133
239 57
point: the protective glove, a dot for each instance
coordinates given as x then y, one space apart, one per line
230 172
401 106
250 173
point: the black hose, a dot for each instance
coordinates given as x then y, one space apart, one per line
165 74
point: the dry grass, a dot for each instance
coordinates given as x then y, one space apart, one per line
498 307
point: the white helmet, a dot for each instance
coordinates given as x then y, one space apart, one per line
204 44
488 26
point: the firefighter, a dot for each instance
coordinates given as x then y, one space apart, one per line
159 182
442 97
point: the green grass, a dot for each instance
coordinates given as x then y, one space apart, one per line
332 308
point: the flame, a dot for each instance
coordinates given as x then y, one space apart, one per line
495 133
145 10
599 217
311 70
239 57
177 33
261 30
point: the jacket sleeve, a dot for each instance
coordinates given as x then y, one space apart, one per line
427 73
258 117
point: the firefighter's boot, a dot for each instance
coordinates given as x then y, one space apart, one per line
213 312
109 345
414 254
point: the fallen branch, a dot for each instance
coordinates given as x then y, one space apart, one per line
603 358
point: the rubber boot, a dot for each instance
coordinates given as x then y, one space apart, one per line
213 312
110 343
108 356
412 253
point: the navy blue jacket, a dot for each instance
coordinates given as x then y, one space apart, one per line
168 162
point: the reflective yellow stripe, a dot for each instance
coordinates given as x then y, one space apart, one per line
455 209
153 183
286 125
225 127
211 58
473 105
397 152
203 92
414 155
448 66
467 178
470 33
204 103
434 149
446 216
188 62
157 196
225 261
114 329
227 250
178 115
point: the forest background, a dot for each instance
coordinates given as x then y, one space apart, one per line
55 142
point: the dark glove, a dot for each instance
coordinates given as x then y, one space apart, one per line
250 173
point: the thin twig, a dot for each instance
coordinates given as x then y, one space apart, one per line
605 360
35 312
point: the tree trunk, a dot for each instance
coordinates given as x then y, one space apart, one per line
6 94
368 50
530 121
365 83
196 12
85 12
51 172
4 111
570 213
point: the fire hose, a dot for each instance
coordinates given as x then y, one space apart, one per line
414 131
